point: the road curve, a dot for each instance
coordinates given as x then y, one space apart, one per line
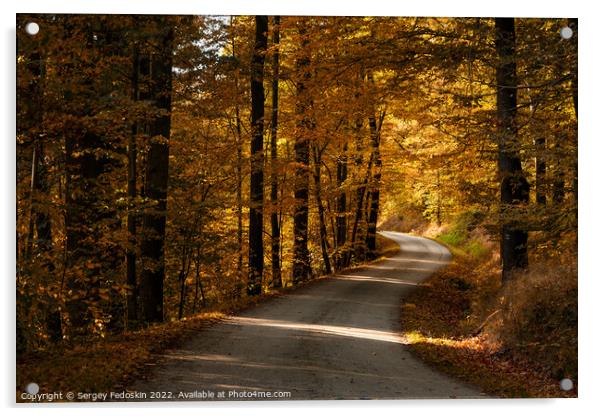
336 339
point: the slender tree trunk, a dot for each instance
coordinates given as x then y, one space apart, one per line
573 24
154 220
438 210
198 283
132 298
256 262
341 207
276 268
514 186
359 213
375 189
239 162
301 265
318 195
540 171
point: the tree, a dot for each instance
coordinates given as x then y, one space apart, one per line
514 188
301 265
132 300
257 158
274 216
156 178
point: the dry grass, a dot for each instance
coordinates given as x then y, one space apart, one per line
523 350
538 318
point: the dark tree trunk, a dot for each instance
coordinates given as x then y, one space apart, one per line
341 207
375 189
256 263
514 186
276 268
359 214
152 247
132 298
540 171
301 265
239 162
573 24
321 215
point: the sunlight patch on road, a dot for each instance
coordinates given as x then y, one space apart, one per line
407 260
374 279
344 331
396 267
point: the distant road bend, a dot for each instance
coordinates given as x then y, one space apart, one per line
339 338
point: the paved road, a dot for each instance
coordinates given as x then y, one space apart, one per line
336 339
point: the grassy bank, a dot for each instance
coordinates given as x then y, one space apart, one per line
513 341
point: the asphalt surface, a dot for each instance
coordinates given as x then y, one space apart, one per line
339 338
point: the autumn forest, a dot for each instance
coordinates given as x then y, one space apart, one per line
171 169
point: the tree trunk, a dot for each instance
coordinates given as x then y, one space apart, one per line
132 298
276 268
540 171
514 186
318 195
359 213
341 207
257 158
375 190
239 161
301 265
573 24
153 239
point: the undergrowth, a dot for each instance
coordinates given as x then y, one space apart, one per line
514 341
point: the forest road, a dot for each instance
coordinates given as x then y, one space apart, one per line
339 338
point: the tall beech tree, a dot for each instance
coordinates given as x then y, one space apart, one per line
514 188
301 265
152 246
132 300
256 263
274 216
